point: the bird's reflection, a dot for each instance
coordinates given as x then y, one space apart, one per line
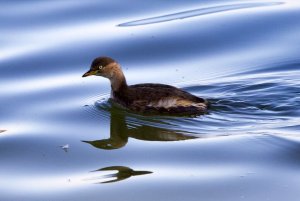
120 132
122 173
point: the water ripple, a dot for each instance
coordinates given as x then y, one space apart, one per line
242 56
240 104
196 12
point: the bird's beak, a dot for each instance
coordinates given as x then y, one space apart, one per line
90 72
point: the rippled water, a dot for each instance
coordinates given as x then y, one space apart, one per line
61 139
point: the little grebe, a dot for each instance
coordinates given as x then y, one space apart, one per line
146 98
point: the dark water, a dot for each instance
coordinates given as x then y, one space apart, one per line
61 139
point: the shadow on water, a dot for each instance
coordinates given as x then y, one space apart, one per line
123 173
121 131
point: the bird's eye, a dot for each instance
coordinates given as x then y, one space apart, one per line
100 67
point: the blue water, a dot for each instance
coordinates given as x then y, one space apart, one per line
61 139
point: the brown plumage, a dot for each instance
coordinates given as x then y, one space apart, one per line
146 98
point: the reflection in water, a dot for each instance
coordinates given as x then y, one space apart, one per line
197 12
123 173
119 133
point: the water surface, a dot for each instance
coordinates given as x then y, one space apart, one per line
61 139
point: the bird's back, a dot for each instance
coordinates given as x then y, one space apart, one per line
160 98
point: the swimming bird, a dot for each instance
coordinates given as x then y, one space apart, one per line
146 98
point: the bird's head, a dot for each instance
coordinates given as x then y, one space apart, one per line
103 66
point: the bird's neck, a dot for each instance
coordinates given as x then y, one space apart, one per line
117 80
